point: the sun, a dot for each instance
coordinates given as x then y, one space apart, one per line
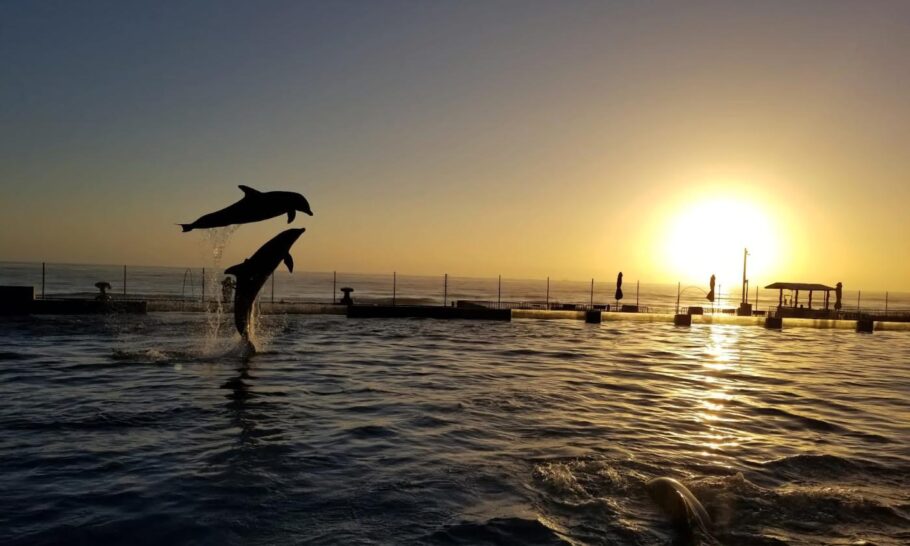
707 237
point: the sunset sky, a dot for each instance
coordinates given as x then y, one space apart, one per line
570 139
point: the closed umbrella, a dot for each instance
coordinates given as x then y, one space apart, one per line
711 293
618 287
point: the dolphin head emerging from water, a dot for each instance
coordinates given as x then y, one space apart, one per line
252 274
680 506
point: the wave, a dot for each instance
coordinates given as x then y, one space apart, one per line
498 531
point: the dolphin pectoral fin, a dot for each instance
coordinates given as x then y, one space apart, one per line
248 191
291 215
236 270
289 261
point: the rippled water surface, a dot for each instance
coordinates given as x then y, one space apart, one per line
345 431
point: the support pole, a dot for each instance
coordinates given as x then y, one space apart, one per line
124 280
637 286
445 290
678 285
42 280
499 293
858 294
394 286
334 279
886 304
592 293
548 293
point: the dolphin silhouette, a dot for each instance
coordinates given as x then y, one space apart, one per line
254 206
680 505
252 274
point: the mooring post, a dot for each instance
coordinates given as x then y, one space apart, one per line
548 293
678 285
394 286
886 304
592 293
858 294
445 290
42 280
637 286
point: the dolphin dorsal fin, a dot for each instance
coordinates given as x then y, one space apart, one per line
291 215
289 261
249 192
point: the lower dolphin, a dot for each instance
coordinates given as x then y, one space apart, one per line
680 505
252 274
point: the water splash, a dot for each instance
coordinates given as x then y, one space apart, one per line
213 244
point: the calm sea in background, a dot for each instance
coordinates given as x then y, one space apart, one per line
151 429
68 280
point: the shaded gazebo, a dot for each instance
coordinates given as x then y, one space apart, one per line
796 287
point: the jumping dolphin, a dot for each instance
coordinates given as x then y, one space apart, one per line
680 505
252 274
254 206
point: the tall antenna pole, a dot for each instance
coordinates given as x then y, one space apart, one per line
745 297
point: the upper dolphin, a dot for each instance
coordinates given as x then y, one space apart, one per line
253 272
254 206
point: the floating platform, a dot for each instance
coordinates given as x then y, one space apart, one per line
427 311
86 307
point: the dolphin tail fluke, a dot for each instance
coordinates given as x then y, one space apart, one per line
186 227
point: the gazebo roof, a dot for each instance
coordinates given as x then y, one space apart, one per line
798 286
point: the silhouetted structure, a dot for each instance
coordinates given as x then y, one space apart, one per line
618 288
227 289
710 295
795 309
347 299
254 206
103 287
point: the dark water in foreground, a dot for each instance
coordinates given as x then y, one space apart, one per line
149 430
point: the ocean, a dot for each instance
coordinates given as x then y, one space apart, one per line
152 429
